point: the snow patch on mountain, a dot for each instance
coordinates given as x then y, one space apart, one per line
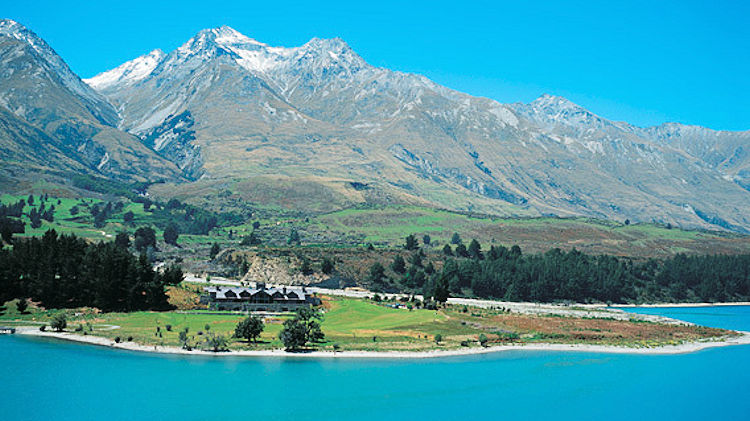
127 73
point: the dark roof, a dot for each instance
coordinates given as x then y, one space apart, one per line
234 292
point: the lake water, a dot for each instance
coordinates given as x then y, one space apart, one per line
54 380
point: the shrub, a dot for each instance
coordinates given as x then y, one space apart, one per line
117 339
464 343
438 338
327 266
42 328
22 305
508 336
130 339
168 327
483 339
217 343
79 328
59 322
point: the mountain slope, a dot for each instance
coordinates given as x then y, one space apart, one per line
56 122
224 106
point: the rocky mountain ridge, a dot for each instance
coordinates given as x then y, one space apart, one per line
52 122
232 111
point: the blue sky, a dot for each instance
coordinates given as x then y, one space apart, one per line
645 62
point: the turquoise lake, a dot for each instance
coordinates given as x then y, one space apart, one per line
56 380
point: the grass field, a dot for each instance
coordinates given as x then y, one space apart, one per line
358 324
387 226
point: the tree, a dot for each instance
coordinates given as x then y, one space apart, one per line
214 251
293 335
8 227
256 225
250 240
442 288
30 200
249 328
171 234
326 266
173 204
461 251
74 210
144 237
122 240
305 267
311 318
35 217
398 265
22 305
59 322
100 219
304 328
416 259
411 242
456 239
627 222
475 250
127 217
426 239
293 237
483 339
429 268
376 274
447 250
172 275
438 338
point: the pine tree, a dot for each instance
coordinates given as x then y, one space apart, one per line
171 234
215 249
398 265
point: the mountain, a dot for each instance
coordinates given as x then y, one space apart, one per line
316 128
52 122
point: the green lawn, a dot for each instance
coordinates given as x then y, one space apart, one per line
355 324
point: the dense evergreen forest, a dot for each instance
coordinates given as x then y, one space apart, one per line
556 275
64 271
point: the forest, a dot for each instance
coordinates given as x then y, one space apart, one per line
557 275
64 271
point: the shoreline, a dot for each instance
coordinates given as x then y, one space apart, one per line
678 305
742 339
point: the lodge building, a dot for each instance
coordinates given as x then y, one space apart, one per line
259 298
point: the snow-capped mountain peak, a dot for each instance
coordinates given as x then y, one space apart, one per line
551 110
223 37
226 35
127 73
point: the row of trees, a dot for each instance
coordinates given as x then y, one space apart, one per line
574 276
506 273
64 271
